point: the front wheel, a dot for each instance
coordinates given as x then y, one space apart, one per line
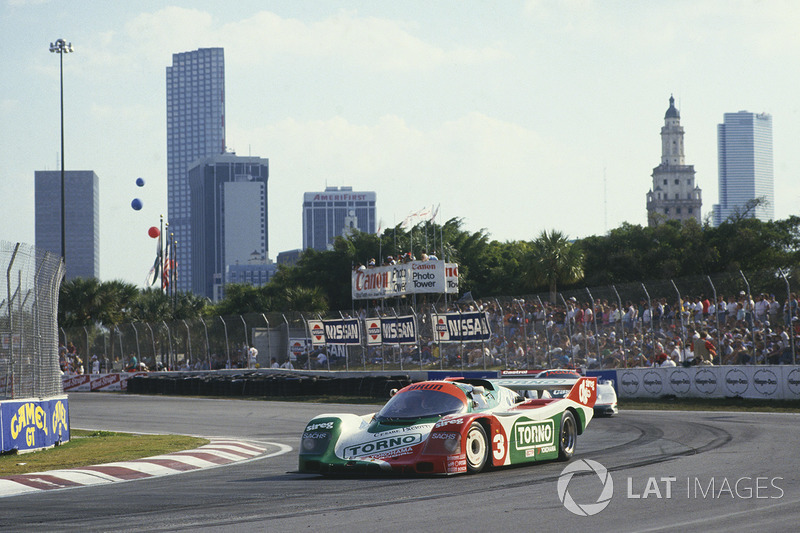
477 448
568 436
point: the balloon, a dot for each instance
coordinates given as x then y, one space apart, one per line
153 232
140 182
136 204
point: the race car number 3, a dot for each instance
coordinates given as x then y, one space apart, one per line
499 448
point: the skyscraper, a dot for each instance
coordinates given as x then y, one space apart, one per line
82 233
744 147
329 214
195 129
674 195
229 222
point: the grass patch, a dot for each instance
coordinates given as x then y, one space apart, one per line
672 403
95 447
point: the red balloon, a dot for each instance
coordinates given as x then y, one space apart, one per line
153 232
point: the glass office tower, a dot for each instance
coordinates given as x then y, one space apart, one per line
195 129
82 235
744 145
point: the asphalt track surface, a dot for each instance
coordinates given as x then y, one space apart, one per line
670 471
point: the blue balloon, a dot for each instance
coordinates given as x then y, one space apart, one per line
136 204
140 182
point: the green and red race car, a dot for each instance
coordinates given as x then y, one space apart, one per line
455 426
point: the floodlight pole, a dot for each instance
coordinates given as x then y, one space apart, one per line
61 47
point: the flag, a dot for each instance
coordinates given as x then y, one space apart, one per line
435 211
155 271
167 267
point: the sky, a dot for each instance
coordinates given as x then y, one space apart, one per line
515 116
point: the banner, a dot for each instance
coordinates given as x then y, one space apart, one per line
391 330
113 382
767 382
461 327
343 331
32 424
297 347
414 277
317 332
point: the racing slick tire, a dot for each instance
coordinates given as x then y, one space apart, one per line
477 448
567 436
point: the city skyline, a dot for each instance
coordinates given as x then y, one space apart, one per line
497 111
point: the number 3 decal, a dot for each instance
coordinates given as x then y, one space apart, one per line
499 446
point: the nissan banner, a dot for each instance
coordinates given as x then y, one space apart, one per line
461 327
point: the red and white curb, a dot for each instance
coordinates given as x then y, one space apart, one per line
217 452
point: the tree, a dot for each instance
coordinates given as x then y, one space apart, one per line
553 260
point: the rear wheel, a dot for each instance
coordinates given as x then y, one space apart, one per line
477 448
568 436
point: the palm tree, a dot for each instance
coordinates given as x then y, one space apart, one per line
554 260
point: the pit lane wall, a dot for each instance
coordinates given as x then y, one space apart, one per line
757 382
33 423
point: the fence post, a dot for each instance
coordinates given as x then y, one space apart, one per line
750 318
524 333
153 338
790 327
169 340
716 320
269 334
652 334
568 320
546 336
227 347
88 359
622 328
246 344
680 314
136 335
188 342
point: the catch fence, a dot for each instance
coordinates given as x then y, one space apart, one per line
29 365
747 318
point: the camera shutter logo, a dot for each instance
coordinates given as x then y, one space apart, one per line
585 509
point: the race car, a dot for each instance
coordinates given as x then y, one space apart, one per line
454 426
606 404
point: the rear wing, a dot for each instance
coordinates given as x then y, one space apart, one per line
581 390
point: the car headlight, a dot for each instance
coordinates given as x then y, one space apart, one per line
314 442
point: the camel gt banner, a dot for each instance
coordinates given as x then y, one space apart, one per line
461 327
414 277
344 331
32 424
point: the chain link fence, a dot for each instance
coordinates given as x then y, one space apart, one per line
738 318
29 362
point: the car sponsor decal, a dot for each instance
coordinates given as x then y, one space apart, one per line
528 435
382 445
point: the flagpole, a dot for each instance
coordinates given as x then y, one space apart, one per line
161 242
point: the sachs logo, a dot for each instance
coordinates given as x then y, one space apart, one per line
585 509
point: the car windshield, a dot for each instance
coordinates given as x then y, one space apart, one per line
420 404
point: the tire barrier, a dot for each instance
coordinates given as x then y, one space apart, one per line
258 384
